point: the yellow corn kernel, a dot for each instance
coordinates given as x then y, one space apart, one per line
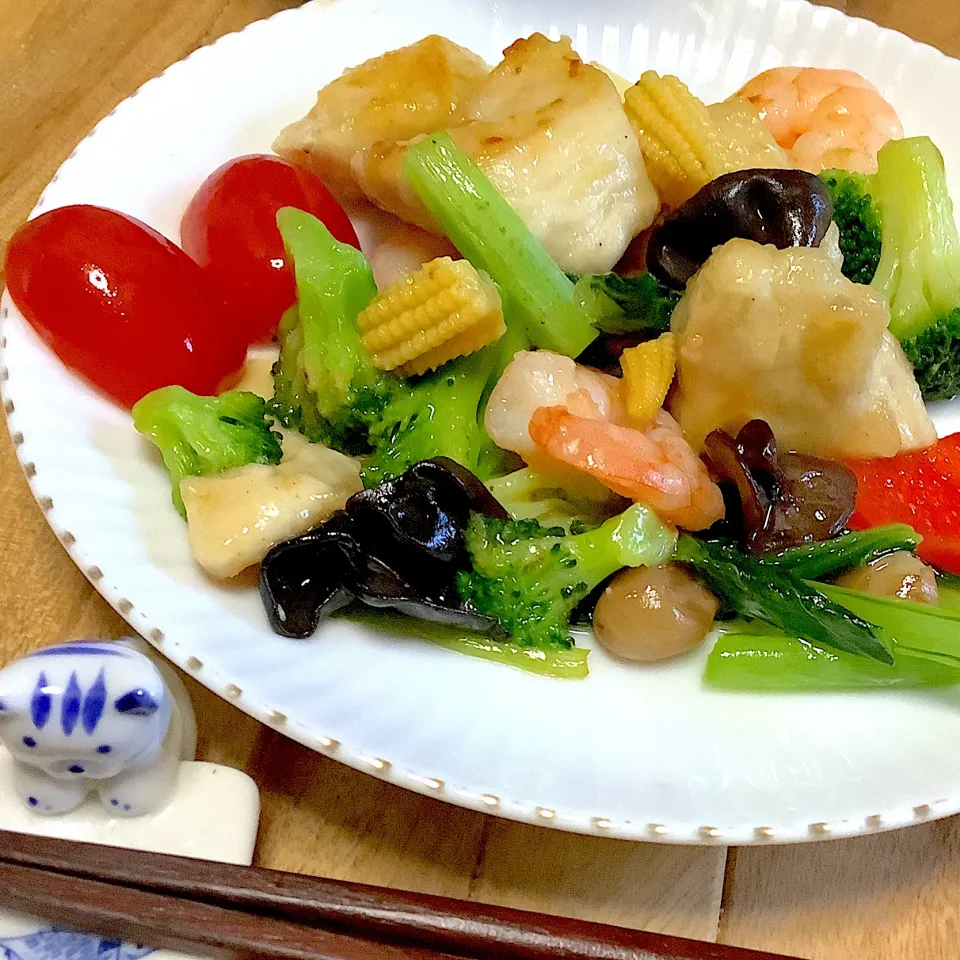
676 134
648 371
745 142
444 310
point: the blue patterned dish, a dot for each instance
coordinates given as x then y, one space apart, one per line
49 943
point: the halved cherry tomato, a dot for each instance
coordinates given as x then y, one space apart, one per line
920 488
120 304
230 229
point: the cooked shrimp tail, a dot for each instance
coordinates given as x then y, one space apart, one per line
654 466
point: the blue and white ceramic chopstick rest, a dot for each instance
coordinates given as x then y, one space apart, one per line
100 716
61 706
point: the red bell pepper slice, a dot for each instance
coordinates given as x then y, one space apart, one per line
921 488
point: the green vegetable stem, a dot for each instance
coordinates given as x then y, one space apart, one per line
752 657
917 629
490 234
568 663
778 597
527 495
818 561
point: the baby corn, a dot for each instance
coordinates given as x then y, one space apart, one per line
677 137
648 371
686 144
445 310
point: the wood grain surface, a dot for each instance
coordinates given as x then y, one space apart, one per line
63 65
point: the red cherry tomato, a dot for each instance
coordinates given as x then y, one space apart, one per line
230 229
120 304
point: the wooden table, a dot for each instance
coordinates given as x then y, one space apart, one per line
63 65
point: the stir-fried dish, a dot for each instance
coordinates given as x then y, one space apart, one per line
617 358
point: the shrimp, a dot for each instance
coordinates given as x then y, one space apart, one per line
654 465
404 251
823 118
545 379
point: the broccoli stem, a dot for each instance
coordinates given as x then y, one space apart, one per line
758 591
765 659
635 538
567 664
325 370
919 270
816 561
526 495
488 232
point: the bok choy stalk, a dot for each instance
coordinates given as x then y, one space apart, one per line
917 629
780 598
755 657
817 561
925 641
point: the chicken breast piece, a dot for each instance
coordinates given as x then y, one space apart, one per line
550 132
783 336
409 91
235 517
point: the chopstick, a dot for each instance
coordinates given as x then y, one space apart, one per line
224 911
194 927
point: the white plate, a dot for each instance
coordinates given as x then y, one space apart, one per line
631 752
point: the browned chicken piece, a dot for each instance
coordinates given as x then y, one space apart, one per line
551 133
396 96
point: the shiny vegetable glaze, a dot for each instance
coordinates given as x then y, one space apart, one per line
788 208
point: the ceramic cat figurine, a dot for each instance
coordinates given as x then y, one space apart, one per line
92 715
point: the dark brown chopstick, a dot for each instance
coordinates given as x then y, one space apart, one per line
208 906
192 927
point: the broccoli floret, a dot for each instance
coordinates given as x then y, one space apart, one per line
857 216
935 355
441 415
627 305
325 383
919 271
202 435
530 578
